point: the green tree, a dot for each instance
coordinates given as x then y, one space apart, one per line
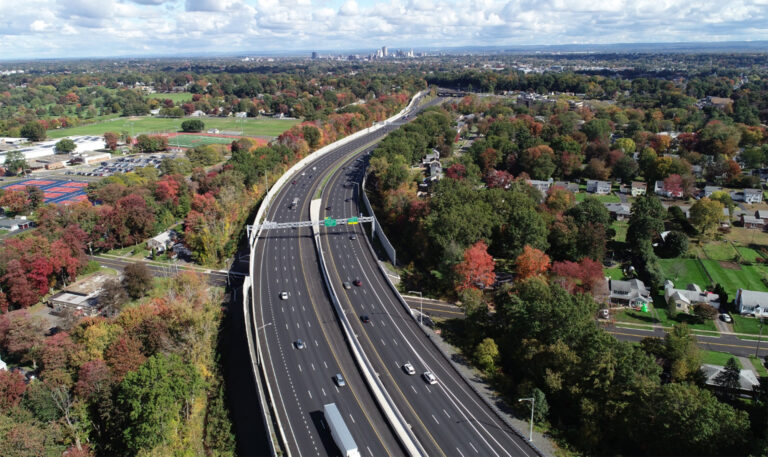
192 125
675 244
15 163
311 135
728 379
625 169
154 400
646 220
487 355
706 215
625 145
597 129
65 146
683 353
33 131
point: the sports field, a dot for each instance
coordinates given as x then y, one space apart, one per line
190 141
55 191
262 127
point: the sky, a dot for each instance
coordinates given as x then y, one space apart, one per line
35 29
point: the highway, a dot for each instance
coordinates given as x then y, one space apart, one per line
448 417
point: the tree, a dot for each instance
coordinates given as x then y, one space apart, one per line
12 387
532 262
110 140
487 355
192 125
137 280
625 145
675 244
65 146
597 129
113 295
682 352
33 131
706 215
15 162
153 400
476 270
35 195
15 201
596 169
123 356
728 379
625 169
646 220
673 185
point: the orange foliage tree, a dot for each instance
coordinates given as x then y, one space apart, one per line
532 262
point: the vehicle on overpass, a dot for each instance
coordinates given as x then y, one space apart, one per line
339 431
294 203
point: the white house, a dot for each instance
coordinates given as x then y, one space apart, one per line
683 299
542 186
628 293
638 188
748 196
598 187
747 300
747 378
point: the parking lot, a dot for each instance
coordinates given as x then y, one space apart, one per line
123 165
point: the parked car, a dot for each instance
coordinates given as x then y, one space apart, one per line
408 368
725 317
353 237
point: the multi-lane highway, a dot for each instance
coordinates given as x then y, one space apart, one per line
448 417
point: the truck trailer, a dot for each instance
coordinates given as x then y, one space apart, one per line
339 431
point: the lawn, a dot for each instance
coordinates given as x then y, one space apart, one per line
684 271
614 273
744 277
190 141
720 250
637 317
250 126
176 97
747 237
749 254
759 365
621 230
716 358
743 324
680 318
610 198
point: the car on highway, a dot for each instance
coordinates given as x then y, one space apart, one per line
353 237
283 295
339 380
365 318
300 344
408 368
357 282
429 378
327 208
726 318
346 285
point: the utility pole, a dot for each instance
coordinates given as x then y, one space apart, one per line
759 313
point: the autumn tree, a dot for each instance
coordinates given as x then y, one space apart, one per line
35 196
487 355
123 356
476 270
137 280
110 140
12 387
532 262
706 215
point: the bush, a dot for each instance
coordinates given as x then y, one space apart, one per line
192 125
705 312
65 146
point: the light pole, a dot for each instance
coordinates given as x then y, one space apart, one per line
759 313
421 305
265 325
533 403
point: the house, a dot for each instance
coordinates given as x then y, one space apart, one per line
598 187
659 189
684 299
753 196
752 222
709 190
162 241
761 214
197 113
569 186
638 188
747 379
79 298
628 293
747 301
619 211
431 157
17 223
435 170
542 186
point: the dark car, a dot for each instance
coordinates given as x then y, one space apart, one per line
365 319
327 208
357 282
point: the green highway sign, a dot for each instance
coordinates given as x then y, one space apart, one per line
329 222
352 221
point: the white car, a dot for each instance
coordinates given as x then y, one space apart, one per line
283 295
408 368
726 318
429 378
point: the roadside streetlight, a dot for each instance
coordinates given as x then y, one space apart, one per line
759 313
421 305
265 325
533 404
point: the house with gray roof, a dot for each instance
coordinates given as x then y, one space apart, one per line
747 300
542 186
709 190
628 293
748 196
684 299
752 222
17 223
598 187
570 186
619 211
747 378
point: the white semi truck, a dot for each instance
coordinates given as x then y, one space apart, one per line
339 431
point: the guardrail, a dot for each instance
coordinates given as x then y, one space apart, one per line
253 237
377 230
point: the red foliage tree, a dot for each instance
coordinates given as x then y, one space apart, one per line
124 356
167 189
456 171
673 185
586 274
499 179
54 357
15 201
20 291
94 377
532 262
477 268
12 387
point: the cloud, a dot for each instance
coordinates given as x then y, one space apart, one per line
39 26
207 5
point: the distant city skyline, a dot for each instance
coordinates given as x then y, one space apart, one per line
35 29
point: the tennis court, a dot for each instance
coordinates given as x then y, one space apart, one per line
54 191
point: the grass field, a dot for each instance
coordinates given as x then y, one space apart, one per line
610 198
190 141
176 97
681 318
136 125
621 230
746 277
747 237
748 254
684 271
759 365
720 250
742 324
716 358
614 273
637 317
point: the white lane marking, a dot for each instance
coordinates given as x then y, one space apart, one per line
313 366
326 365
460 453
353 419
369 450
323 390
473 447
308 324
316 343
446 413
436 421
414 390
300 368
